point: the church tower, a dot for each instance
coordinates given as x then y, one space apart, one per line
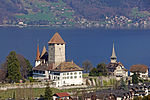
113 57
56 48
37 60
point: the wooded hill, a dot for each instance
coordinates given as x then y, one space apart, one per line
89 9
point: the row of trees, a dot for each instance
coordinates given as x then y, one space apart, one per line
100 70
15 68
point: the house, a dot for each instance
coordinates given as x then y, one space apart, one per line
67 73
62 96
52 65
116 68
141 70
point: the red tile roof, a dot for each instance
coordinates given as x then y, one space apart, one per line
138 68
56 39
63 94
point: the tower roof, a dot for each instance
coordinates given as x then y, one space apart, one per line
113 52
44 51
38 53
56 39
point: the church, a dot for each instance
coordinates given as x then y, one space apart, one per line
52 65
116 68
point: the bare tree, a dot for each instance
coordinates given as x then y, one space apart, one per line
87 66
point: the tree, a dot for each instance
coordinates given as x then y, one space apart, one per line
102 70
93 72
25 67
123 84
13 68
48 93
87 66
135 79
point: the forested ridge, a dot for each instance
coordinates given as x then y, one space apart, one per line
89 9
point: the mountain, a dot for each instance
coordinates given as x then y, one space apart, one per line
69 12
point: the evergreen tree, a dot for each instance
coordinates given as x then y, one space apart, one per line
123 84
102 70
48 93
135 79
93 72
13 68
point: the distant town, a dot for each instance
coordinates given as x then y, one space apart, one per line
64 13
53 77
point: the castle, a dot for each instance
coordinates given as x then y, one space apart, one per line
52 65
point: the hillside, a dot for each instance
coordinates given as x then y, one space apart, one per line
98 9
71 12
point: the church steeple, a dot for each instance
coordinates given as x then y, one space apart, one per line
113 56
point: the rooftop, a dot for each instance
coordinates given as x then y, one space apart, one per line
68 66
138 68
56 39
63 94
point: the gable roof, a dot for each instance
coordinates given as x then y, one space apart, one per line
67 66
63 94
138 68
56 39
43 67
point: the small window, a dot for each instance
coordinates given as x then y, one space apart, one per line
71 77
57 44
75 76
67 73
79 72
61 44
67 77
71 73
64 73
80 76
75 73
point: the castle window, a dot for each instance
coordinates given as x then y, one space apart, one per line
61 44
80 76
71 73
57 44
67 73
71 77
68 77
75 73
79 72
75 76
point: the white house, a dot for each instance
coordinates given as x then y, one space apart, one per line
67 73
141 70
52 65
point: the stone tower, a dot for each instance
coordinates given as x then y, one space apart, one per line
56 48
37 60
113 56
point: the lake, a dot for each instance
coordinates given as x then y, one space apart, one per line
95 45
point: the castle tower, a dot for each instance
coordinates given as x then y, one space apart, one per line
56 48
113 57
37 60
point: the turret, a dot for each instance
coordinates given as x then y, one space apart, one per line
37 60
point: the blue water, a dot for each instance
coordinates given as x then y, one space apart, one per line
95 45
